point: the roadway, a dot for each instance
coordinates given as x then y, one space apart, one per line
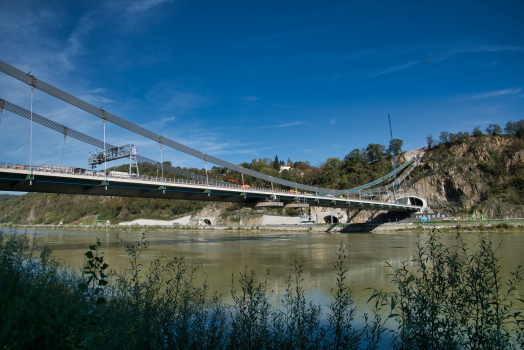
80 182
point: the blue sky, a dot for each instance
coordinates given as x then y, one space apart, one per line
239 80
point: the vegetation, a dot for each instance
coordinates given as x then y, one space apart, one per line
446 298
493 157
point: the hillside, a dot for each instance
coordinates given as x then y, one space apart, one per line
462 174
479 174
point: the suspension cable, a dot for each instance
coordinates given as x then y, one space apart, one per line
63 148
33 83
161 162
1 109
104 116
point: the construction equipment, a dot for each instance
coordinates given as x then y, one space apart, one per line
243 185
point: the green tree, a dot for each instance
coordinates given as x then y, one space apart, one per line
494 129
354 159
444 137
431 141
276 164
516 128
395 146
476 131
375 152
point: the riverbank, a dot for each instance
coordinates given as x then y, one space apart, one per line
168 308
475 226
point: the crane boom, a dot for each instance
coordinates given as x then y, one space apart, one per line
394 159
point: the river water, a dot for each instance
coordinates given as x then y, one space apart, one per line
223 253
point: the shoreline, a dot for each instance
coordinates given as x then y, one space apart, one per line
515 225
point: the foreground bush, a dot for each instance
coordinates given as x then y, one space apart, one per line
450 298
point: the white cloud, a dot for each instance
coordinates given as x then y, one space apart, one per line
332 121
494 93
250 99
280 125
441 53
396 68
139 6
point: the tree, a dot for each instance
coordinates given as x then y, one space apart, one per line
354 158
289 162
516 128
494 129
375 152
431 141
395 146
300 165
477 132
444 137
276 164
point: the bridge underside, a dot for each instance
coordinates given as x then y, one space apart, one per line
22 181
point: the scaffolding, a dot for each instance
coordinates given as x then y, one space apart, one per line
114 153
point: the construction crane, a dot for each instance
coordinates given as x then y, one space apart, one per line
243 185
394 159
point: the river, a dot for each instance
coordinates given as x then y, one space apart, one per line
223 253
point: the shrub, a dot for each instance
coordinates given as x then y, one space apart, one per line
453 299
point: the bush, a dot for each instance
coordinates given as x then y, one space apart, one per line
452 299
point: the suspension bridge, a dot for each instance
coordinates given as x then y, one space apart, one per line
73 180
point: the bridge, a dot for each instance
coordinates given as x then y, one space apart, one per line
71 180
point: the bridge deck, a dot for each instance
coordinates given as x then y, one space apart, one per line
13 178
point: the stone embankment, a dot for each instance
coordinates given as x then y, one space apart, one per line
337 228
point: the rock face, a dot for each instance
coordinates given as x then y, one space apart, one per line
463 182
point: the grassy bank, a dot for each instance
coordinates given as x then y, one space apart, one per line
446 298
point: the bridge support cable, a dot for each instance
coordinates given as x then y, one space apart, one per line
207 178
63 148
1 109
32 84
161 162
104 117
8 106
89 108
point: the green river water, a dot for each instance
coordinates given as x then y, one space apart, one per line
226 253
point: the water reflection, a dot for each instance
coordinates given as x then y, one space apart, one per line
223 253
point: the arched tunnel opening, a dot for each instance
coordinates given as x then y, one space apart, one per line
330 219
416 201
207 222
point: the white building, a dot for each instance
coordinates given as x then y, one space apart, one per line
285 167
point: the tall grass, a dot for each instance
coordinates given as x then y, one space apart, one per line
445 298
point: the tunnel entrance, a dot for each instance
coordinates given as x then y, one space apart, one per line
207 222
330 219
416 201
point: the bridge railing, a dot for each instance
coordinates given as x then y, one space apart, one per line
101 174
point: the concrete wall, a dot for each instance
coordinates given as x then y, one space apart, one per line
150 222
279 220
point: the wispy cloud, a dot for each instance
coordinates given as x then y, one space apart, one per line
396 68
250 99
176 100
280 125
441 53
139 6
494 93
332 121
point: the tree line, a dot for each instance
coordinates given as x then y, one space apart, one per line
511 128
